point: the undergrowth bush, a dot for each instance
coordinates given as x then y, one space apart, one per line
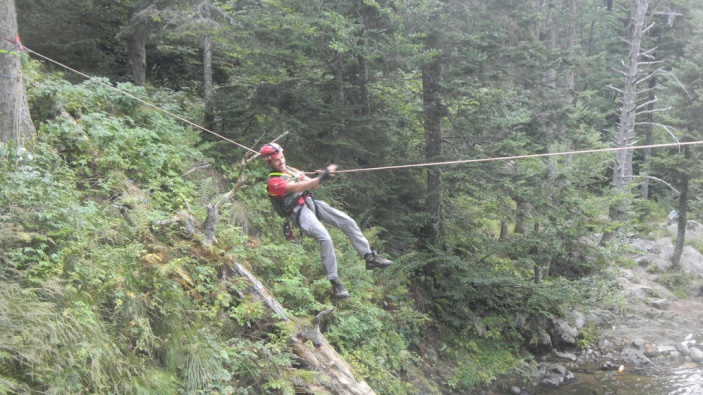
678 283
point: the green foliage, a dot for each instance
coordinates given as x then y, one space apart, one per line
260 366
111 148
648 213
375 342
122 303
479 363
678 283
588 338
198 359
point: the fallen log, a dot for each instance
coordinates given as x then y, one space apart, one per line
309 344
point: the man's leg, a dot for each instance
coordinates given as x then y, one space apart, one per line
346 224
312 227
350 228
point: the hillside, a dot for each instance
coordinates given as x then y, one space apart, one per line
134 261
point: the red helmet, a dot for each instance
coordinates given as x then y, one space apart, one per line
271 151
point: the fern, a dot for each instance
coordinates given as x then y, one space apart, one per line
196 359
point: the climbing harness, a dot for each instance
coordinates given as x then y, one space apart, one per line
284 205
291 205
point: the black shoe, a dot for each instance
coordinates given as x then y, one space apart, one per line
374 261
338 291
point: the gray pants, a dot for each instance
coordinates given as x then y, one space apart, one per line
313 227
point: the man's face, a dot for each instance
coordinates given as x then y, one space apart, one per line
278 163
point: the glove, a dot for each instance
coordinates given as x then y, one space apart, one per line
325 174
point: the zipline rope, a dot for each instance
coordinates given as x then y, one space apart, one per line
143 102
453 162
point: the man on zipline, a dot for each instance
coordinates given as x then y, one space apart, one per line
289 190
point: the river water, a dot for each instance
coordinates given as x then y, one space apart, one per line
662 377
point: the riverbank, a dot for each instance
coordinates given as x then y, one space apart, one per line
649 339
653 312
650 345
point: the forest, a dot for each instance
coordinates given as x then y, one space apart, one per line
500 152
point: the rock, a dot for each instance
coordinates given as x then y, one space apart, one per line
515 390
577 319
565 355
606 345
660 304
638 344
608 365
666 350
691 261
550 382
556 377
643 261
693 225
544 339
569 378
599 317
634 353
651 350
563 333
682 347
696 354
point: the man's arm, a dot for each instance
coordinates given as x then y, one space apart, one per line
309 183
300 186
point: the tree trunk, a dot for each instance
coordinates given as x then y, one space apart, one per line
622 168
571 44
433 113
363 79
644 190
208 87
140 23
683 208
520 216
504 229
15 121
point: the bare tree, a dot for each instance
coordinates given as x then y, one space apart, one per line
622 166
15 122
638 100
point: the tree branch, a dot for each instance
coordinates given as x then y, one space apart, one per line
196 168
647 103
648 27
615 89
665 127
670 74
653 111
657 179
